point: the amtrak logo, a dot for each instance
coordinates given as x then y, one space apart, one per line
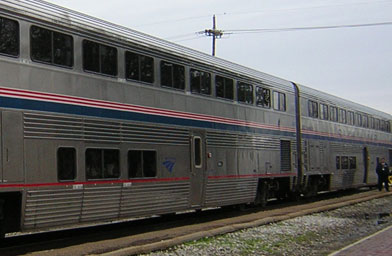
169 164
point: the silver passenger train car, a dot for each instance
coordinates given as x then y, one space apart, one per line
99 122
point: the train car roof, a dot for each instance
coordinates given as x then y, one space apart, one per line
61 16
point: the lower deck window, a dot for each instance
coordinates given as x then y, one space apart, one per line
142 163
66 164
102 163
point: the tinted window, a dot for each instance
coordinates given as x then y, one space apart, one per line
342 116
263 97
172 75
142 163
334 114
102 163
313 109
344 162
66 163
279 101
350 118
9 37
139 67
197 151
99 58
200 82
245 93
51 47
337 162
324 111
353 162
224 87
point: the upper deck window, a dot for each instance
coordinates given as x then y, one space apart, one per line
139 67
224 87
263 97
358 119
172 75
51 47
365 121
342 116
245 93
99 58
9 37
350 118
279 101
334 116
324 111
200 82
313 109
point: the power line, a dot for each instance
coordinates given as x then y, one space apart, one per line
264 30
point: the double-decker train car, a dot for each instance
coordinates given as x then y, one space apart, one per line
99 122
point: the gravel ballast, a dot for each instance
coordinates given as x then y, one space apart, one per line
315 234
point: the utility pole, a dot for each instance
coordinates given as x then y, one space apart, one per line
214 33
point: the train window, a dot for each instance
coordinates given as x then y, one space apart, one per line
342 116
389 129
9 37
99 58
313 109
139 67
358 119
197 150
51 47
371 122
365 121
200 82
102 163
353 162
344 162
245 93
66 164
324 111
338 164
142 163
172 75
350 118
377 124
224 87
333 114
263 97
279 101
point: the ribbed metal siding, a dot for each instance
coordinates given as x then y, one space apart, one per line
221 192
52 207
242 141
285 155
42 126
70 206
151 198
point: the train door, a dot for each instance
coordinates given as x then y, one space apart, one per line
198 167
12 146
365 164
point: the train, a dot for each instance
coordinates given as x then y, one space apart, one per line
100 122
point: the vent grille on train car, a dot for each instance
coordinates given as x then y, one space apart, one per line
285 155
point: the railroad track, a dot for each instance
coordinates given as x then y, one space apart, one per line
128 238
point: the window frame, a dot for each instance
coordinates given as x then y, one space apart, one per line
75 164
127 60
100 57
226 84
263 89
324 111
313 109
102 163
142 162
17 33
278 105
202 78
245 93
53 33
174 81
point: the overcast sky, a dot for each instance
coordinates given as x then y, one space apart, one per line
353 63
